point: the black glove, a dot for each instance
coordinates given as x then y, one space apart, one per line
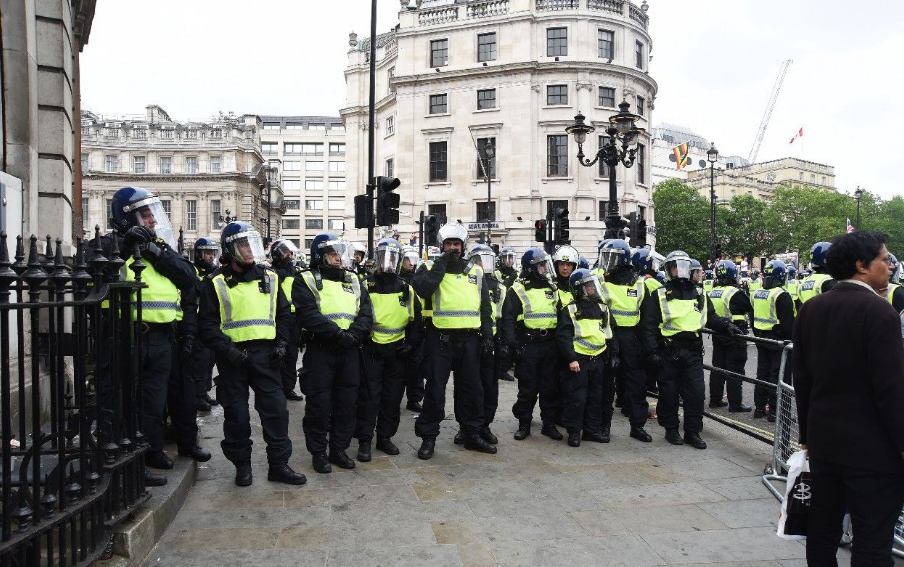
404 350
238 358
504 351
517 354
655 361
487 346
277 354
188 346
613 362
345 339
734 330
139 235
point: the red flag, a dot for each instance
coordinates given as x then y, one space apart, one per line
800 134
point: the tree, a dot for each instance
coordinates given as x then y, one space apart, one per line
682 219
744 230
797 217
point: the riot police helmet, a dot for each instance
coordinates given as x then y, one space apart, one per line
134 206
678 266
726 273
614 253
585 285
774 274
507 257
328 250
818 255
388 256
242 244
206 252
536 263
483 256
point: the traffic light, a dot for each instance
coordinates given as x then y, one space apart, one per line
364 212
632 230
540 230
431 230
387 201
562 234
641 233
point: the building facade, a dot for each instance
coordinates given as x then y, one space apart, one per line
761 179
455 75
203 172
311 150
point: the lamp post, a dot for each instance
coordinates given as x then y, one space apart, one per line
620 147
857 194
228 219
489 152
271 168
712 155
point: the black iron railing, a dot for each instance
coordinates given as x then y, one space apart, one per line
72 452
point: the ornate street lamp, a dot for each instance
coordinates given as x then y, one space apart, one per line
489 152
619 147
712 155
857 194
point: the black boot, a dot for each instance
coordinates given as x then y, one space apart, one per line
595 436
718 404
197 453
640 434
523 431
364 450
479 444
428 445
574 438
758 413
243 475
341 460
739 409
153 479
211 401
488 436
694 440
292 396
459 438
158 460
770 417
320 463
386 445
202 405
414 406
549 429
673 437
506 376
282 472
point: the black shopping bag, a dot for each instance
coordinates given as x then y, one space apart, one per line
798 506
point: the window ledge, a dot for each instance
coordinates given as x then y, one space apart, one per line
598 107
601 179
482 110
484 181
548 179
549 106
389 135
438 114
438 184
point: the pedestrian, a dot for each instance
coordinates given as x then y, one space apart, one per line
848 363
729 353
246 319
284 256
773 318
819 280
207 253
331 305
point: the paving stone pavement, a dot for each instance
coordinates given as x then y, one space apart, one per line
537 502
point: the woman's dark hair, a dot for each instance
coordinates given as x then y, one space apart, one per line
846 249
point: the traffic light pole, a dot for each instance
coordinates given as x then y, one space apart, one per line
420 237
370 126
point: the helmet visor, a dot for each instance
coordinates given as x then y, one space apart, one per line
247 247
388 259
285 250
149 213
543 266
507 259
589 288
336 253
611 258
485 260
680 269
412 258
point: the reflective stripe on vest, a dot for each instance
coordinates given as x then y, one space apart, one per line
891 293
811 286
246 314
337 301
764 311
160 300
538 306
391 315
456 302
590 335
286 286
681 315
720 297
624 302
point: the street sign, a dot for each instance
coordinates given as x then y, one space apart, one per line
477 226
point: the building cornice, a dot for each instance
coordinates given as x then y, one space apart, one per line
151 177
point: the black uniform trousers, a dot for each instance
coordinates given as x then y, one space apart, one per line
414 375
589 394
769 360
288 370
445 353
731 355
233 385
163 385
381 390
199 369
682 373
489 380
633 376
330 381
874 500
537 378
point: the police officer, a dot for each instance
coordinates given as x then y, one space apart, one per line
529 319
565 261
625 293
895 293
359 254
414 371
459 331
583 264
754 283
708 281
773 318
245 320
169 311
395 335
507 273
819 280
331 305
207 253
677 313
728 353
284 261
642 262
793 285
584 335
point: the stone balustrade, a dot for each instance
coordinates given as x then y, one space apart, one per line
488 8
438 16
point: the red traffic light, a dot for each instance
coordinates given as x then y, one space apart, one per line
540 225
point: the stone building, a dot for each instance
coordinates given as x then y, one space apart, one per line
312 152
453 75
203 171
761 179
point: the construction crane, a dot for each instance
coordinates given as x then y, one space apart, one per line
761 132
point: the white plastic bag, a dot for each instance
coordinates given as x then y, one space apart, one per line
792 525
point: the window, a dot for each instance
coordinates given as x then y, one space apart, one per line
292 204
216 164
486 98
641 164
439 104
191 164
390 75
336 205
604 210
337 149
390 126
167 206
315 224
292 149
271 125
308 242
294 126
606 45
557 156
269 148
438 161
292 224
214 213
337 185
139 164
604 169
482 164
486 47
390 167
641 106
86 210
554 204
485 213
191 134
111 132
85 158
111 164
291 184
439 53
86 131
167 134
556 95
313 205
641 213
313 185
638 54
191 214
311 149
439 211
556 42
316 126
217 134
313 166
812 178
823 179
291 166
336 224
800 176
337 167
109 213
607 97
140 133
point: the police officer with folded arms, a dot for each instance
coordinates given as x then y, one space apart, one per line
729 353
207 253
773 318
245 320
284 257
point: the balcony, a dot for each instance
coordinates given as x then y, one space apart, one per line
613 6
555 5
487 9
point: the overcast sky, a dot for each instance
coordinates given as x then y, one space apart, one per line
715 61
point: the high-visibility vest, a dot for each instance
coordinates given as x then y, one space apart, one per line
681 315
539 306
764 302
392 313
161 300
286 286
891 293
793 287
337 301
708 286
456 302
599 272
721 300
624 301
497 298
565 296
247 314
652 284
811 286
590 335
755 285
